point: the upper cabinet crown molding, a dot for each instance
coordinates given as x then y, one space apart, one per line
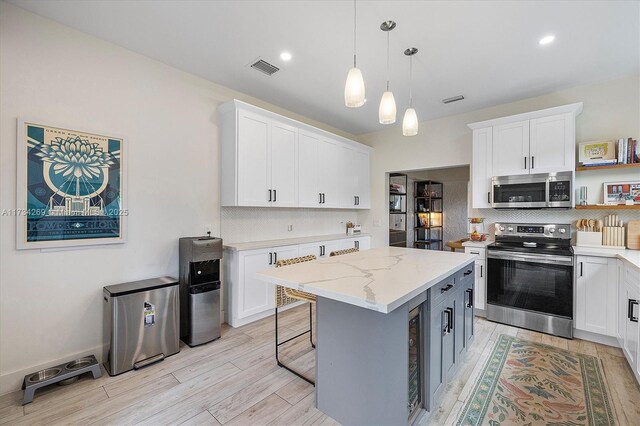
574 109
272 161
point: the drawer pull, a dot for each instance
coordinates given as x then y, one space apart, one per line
468 272
447 288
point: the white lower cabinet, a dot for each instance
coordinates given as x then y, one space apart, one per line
480 293
596 295
248 299
628 317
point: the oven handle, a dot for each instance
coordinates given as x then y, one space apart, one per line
533 258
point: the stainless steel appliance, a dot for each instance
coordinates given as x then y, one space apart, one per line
415 362
539 191
200 289
141 323
530 277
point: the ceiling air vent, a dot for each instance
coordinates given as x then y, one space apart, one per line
453 99
264 67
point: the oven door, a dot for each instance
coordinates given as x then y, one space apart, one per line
539 283
519 192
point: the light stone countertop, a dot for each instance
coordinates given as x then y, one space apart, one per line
252 245
630 256
380 279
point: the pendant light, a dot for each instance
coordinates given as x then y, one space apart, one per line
410 120
387 110
354 87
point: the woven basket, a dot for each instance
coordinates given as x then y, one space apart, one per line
286 296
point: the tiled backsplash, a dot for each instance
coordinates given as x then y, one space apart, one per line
548 216
242 224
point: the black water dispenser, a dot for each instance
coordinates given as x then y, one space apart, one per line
200 259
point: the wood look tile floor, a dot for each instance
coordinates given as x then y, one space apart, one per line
235 381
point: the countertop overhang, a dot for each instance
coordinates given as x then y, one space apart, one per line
380 279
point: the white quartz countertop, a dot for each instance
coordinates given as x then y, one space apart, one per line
379 279
252 245
479 244
630 256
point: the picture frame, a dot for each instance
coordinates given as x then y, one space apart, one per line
596 150
71 186
618 192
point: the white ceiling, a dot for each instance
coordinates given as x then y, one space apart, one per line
487 51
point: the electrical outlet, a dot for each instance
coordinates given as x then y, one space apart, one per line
208 229
289 227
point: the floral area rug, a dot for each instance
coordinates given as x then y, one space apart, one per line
527 383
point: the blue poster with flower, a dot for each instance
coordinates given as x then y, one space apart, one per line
72 187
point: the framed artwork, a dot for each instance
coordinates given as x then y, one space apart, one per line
71 187
619 192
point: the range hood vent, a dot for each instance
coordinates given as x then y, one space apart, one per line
264 67
453 99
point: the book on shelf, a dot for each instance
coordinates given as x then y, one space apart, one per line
599 162
628 151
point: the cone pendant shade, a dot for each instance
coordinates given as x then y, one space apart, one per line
354 89
410 123
387 111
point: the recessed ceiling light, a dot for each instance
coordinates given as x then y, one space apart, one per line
547 39
285 56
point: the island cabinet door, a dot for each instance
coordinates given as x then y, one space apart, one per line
439 335
468 297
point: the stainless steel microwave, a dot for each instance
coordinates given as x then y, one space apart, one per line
539 191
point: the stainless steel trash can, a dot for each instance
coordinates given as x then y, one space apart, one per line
141 323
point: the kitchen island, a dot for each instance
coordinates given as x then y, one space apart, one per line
392 326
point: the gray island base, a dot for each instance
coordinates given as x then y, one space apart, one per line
385 359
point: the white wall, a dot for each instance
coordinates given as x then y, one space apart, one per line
50 302
611 111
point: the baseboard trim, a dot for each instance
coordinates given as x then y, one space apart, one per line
12 381
595 337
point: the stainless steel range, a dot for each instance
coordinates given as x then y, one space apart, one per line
530 277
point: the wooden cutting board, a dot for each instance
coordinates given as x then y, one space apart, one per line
633 234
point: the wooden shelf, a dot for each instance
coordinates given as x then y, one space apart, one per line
611 167
616 207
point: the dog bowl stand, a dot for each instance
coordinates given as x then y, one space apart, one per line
67 370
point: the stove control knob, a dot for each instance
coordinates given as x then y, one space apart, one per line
563 230
552 230
502 228
510 229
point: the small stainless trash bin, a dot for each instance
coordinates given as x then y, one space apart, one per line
141 323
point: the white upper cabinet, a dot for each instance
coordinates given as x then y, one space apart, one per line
284 165
270 160
535 142
552 144
511 149
482 168
253 159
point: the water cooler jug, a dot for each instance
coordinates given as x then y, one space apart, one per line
200 289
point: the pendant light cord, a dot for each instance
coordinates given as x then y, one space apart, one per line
411 81
355 23
387 61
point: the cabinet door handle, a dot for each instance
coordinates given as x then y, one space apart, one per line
323 198
275 195
480 271
470 302
451 315
445 289
357 244
358 197
525 163
468 272
355 200
580 268
488 197
275 257
630 315
319 197
269 195
533 161
445 329
270 258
